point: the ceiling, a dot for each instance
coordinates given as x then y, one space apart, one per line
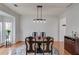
54 9
4 14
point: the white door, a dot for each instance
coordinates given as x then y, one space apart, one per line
62 30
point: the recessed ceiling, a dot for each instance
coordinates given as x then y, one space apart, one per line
53 9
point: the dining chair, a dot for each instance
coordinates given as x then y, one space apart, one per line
43 34
34 34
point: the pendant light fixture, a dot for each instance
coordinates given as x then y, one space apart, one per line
39 15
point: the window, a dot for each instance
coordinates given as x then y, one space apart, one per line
0 32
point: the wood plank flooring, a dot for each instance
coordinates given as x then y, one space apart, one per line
57 44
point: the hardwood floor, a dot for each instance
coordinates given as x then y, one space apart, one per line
57 44
60 47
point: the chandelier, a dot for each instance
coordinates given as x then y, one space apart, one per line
39 15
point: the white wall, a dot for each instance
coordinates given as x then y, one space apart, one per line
72 19
17 19
27 26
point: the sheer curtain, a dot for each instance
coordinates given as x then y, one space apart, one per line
0 31
7 23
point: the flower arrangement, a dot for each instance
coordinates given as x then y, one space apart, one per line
8 33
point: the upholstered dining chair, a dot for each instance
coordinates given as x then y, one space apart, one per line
43 34
39 46
34 34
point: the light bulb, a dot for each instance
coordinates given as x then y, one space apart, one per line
34 21
37 21
44 21
40 21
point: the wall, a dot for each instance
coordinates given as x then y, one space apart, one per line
17 19
50 27
72 19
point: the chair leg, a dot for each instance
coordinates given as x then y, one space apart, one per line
35 46
26 49
51 50
43 46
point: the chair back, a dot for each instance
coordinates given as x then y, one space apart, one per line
43 34
34 34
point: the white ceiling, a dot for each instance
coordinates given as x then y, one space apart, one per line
4 14
53 9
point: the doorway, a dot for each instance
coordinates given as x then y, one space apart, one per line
62 29
62 33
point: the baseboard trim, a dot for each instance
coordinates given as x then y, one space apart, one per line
1 46
18 42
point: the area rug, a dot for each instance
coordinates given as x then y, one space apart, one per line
22 51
